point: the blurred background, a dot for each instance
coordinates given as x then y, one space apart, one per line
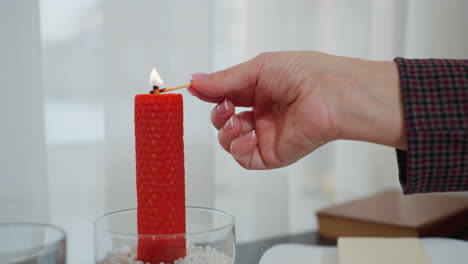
69 71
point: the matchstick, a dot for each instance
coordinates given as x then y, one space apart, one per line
168 89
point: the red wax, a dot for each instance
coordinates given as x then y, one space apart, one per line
160 176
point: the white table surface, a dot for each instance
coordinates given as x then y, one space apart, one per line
440 250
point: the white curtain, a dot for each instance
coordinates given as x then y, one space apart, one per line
70 69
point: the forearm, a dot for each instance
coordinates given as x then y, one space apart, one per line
370 107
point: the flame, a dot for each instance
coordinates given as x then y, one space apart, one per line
155 79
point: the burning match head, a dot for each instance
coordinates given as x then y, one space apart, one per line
155 90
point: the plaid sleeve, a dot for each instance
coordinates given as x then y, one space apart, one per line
435 99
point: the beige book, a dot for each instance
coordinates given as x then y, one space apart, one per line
371 250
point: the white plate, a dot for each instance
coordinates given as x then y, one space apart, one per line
440 250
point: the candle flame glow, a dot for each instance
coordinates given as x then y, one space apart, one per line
155 79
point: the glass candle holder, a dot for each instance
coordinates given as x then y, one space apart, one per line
209 237
32 243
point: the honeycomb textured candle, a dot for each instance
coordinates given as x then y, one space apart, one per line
160 176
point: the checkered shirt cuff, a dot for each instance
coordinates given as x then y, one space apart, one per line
435 99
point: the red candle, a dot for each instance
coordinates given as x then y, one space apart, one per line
160 176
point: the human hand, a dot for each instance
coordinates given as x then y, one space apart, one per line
300 101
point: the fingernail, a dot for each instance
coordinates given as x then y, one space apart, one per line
249 136
229 124
200 76
222 107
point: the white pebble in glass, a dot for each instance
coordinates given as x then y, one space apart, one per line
210 237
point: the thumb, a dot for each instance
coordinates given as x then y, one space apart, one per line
236 83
